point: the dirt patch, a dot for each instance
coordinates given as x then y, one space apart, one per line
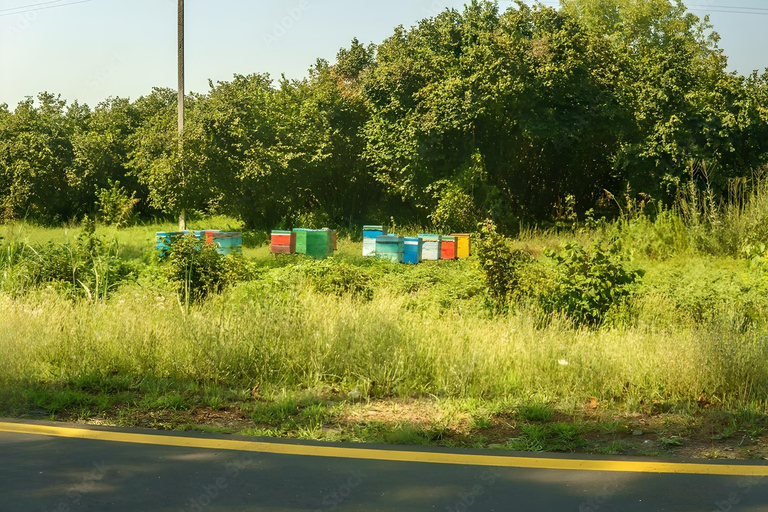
231 417
421 413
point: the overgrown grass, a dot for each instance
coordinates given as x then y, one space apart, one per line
292 347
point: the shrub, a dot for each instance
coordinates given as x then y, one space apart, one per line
198 270
589 283
340 278
455 208
116 207
90 267
500 266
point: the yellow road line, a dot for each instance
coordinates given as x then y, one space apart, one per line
389 455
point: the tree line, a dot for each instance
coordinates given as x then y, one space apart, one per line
469 114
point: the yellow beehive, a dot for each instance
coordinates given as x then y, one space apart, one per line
462 245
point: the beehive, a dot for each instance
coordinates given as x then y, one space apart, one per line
164 240
463 244
448 248
227 242
369 247
431 247
318 244
370 234
208 235
412 250
283 242
204 234
373 231
332 240
301 240
389 247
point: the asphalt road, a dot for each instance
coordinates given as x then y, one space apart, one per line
61 469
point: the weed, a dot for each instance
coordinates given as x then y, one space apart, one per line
535 412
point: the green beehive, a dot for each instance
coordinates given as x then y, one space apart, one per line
319 243
301 240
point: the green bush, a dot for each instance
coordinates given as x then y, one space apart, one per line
197 270
706 290
90 267
116 206
336 277
589 283
500 266
455 209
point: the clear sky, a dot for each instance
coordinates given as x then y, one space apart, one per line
91 49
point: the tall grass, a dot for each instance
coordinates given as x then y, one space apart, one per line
697 326
246 337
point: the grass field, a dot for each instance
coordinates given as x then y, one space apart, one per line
362 350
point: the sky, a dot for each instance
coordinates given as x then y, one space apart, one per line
88 50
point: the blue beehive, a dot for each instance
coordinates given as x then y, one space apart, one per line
374 231
370 234
412 250
165 239
227 242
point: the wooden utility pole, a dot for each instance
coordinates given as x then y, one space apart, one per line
183 214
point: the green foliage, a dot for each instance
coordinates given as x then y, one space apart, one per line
454 210
500 266
472 113
340 278
590 283
535 412
556 437
91 267
702 291
197 270
116 206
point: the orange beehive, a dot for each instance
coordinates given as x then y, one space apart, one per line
448 248
283 242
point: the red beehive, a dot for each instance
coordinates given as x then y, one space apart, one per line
448 248
283 242
209 235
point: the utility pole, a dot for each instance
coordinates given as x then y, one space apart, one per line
183 214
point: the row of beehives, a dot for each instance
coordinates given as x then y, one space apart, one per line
316 243
226 242
424 247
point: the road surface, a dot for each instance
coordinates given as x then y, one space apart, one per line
69 468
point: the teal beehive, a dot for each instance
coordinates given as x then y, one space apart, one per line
390 248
